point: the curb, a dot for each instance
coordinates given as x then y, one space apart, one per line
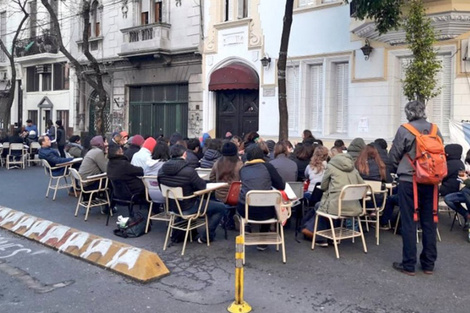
138 264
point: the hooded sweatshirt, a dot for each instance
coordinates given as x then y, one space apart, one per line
450 183
209 158
141 157
355 148
95 161
339 173
177 173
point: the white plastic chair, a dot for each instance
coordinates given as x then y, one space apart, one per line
356 192
256 198
35 157
11 158
151 183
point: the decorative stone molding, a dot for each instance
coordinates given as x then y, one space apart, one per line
448 25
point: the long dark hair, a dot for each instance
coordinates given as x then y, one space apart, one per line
370 152
225 168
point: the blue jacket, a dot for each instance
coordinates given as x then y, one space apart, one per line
52 156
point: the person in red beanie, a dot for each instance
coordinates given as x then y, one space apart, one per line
141 157
135 142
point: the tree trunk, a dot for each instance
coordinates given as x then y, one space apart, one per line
281 68
96 79
5 106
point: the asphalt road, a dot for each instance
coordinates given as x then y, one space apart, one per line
38 279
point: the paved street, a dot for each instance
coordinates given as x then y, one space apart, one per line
38 279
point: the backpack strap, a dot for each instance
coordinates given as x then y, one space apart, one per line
411 129
416 133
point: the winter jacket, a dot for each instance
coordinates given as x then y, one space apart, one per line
301 166
130 151
258 175
355 148
60 137
53 157
192 159
285 167
339 173
141 157
374 171
94 162
314 176
221 193
388 164
209 158
403 143
152 168
450 183
119 168
75 150
177 173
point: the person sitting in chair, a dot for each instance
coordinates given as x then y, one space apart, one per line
52 156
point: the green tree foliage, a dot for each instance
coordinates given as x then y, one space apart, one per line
386 13
420 80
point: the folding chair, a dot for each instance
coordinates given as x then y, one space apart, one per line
376 187
299 204
16 155
92 200
256 198
33 153
151 183
55 179
348 193
185 222
3 158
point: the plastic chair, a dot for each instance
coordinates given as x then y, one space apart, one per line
204 173
55 179
5 147
185 222
151 183
348 193
34 147
298 189
91 201
256 198
376 187
12 157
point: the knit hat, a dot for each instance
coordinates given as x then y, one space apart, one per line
149 144
124 134
97 141
137 140
229 149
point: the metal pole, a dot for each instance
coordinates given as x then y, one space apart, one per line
239 306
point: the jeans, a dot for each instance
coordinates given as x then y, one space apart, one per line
387 213
408 227
454 201
215 212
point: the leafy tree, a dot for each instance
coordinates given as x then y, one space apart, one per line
5 105
387 14
281 72
420 81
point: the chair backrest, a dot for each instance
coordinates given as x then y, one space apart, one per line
6 145
353 193
204 172
16 147
75 174
174 193
150 183
34 145
263 198
121 191
297 188
375 185
47 167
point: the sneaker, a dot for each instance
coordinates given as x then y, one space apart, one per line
399 267
201 241
384 227
261 247
321 243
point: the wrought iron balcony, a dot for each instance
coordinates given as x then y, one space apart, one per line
145 39
45 43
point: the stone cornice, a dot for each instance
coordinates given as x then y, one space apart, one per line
448 25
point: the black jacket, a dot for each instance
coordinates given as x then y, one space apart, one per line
119 168
388 164
209 158
257 175
450 183
192 159
129 153
177 173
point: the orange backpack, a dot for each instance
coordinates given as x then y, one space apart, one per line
430 165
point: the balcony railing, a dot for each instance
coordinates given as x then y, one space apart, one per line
145 38
45 43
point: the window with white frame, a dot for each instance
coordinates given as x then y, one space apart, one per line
438 109
241 7
314 98
293 97
339 97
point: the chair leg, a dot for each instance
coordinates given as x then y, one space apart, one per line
170 224
453 221
396 224
363 238
148 217
333 234
242 233
314 231
56 187
186 236
78 204
283 244
207 230
438 234
377 228
49 187
88 206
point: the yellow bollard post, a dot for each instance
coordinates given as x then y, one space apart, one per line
239 306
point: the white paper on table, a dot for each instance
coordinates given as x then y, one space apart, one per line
289 192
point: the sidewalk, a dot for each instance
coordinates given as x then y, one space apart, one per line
203 279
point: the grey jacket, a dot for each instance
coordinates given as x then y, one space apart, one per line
285 167
404 143
94 162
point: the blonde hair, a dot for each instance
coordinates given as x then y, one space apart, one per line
319 155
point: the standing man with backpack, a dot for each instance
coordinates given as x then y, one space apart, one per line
418 157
